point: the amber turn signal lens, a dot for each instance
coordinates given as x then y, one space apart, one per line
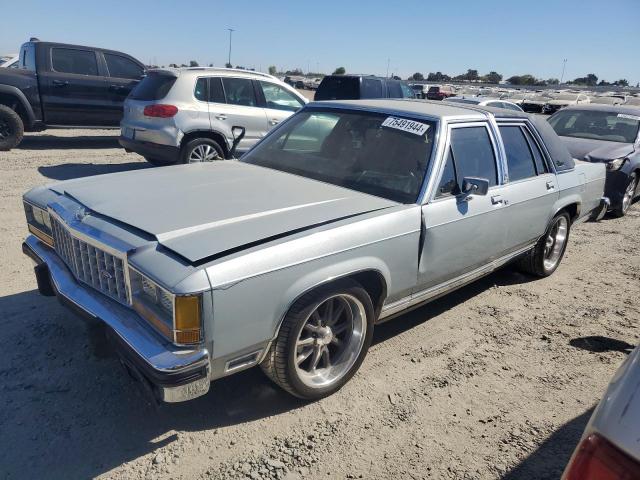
187 319
48 239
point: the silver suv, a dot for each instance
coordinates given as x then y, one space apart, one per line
187 115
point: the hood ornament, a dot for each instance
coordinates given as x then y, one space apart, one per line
80 214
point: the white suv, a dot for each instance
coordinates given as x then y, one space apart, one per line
187 115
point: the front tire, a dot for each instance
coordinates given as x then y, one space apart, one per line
323 340
11 128
627 197
201 150
546 256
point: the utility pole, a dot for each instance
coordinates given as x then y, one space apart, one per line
564 64
231 30
388 62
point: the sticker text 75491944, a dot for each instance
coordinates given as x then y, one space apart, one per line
405 125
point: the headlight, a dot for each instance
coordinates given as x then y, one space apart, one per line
39 223
178 317
616 164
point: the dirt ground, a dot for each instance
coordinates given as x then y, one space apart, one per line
496 380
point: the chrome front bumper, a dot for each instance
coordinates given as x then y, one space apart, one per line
174 374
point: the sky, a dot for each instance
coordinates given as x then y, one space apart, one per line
510 37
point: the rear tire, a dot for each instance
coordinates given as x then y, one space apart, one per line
543 259
201 150
11 128
322 341
627 198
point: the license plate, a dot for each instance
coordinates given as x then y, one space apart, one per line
129 133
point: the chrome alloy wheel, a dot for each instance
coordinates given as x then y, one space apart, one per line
555 241
203 153
330 340
628 195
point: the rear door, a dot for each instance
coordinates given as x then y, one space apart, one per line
279 103
462 233
531 189
123 75
240 108
73 88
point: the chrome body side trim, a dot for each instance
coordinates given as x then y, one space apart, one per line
442 289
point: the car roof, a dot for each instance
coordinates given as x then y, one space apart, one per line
424 108
628 109
228 72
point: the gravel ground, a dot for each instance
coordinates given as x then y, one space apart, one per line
496 380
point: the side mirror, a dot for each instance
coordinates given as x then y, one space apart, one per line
238 134
475 186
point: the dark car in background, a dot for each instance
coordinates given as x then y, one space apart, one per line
356 87
61 85
440 92
606 134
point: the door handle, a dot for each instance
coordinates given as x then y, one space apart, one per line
498 200
116 88
273 122
221 117
550 186
60 83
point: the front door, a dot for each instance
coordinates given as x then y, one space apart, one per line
462 233
279 103
73 91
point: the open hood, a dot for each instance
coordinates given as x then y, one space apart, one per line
201 211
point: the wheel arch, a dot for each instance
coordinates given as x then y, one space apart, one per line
572 206
13 98
212 134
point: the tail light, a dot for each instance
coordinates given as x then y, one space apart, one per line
161 111
597 459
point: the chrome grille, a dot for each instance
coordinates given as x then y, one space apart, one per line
95 267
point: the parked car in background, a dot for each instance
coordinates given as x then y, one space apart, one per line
62 85
608 99
609 448
419 89
187 115
346 215
355 87
9 61
440 92
312 83
516 97
633 101
605 134
535 102
564 100
485 102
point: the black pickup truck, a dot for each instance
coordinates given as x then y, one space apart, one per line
63 85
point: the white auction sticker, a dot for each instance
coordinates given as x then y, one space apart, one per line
628 117
405 125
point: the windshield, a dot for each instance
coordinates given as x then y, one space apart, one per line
597 125
374 153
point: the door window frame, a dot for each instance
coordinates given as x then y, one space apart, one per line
498 155
533 134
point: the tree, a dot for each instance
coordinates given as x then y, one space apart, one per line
417 76
340 71
590 80
193 63
471 74
211 64
553 81
492 77
622 82
272 70
438 77
524 80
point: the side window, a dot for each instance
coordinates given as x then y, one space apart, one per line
122 67
407 92
278 98
448 184
473 153
371 88
216 92
200 91
519 157
239 91
70 60
394 90
541 165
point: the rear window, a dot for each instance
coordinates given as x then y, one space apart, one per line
153 87
338 88
434 89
